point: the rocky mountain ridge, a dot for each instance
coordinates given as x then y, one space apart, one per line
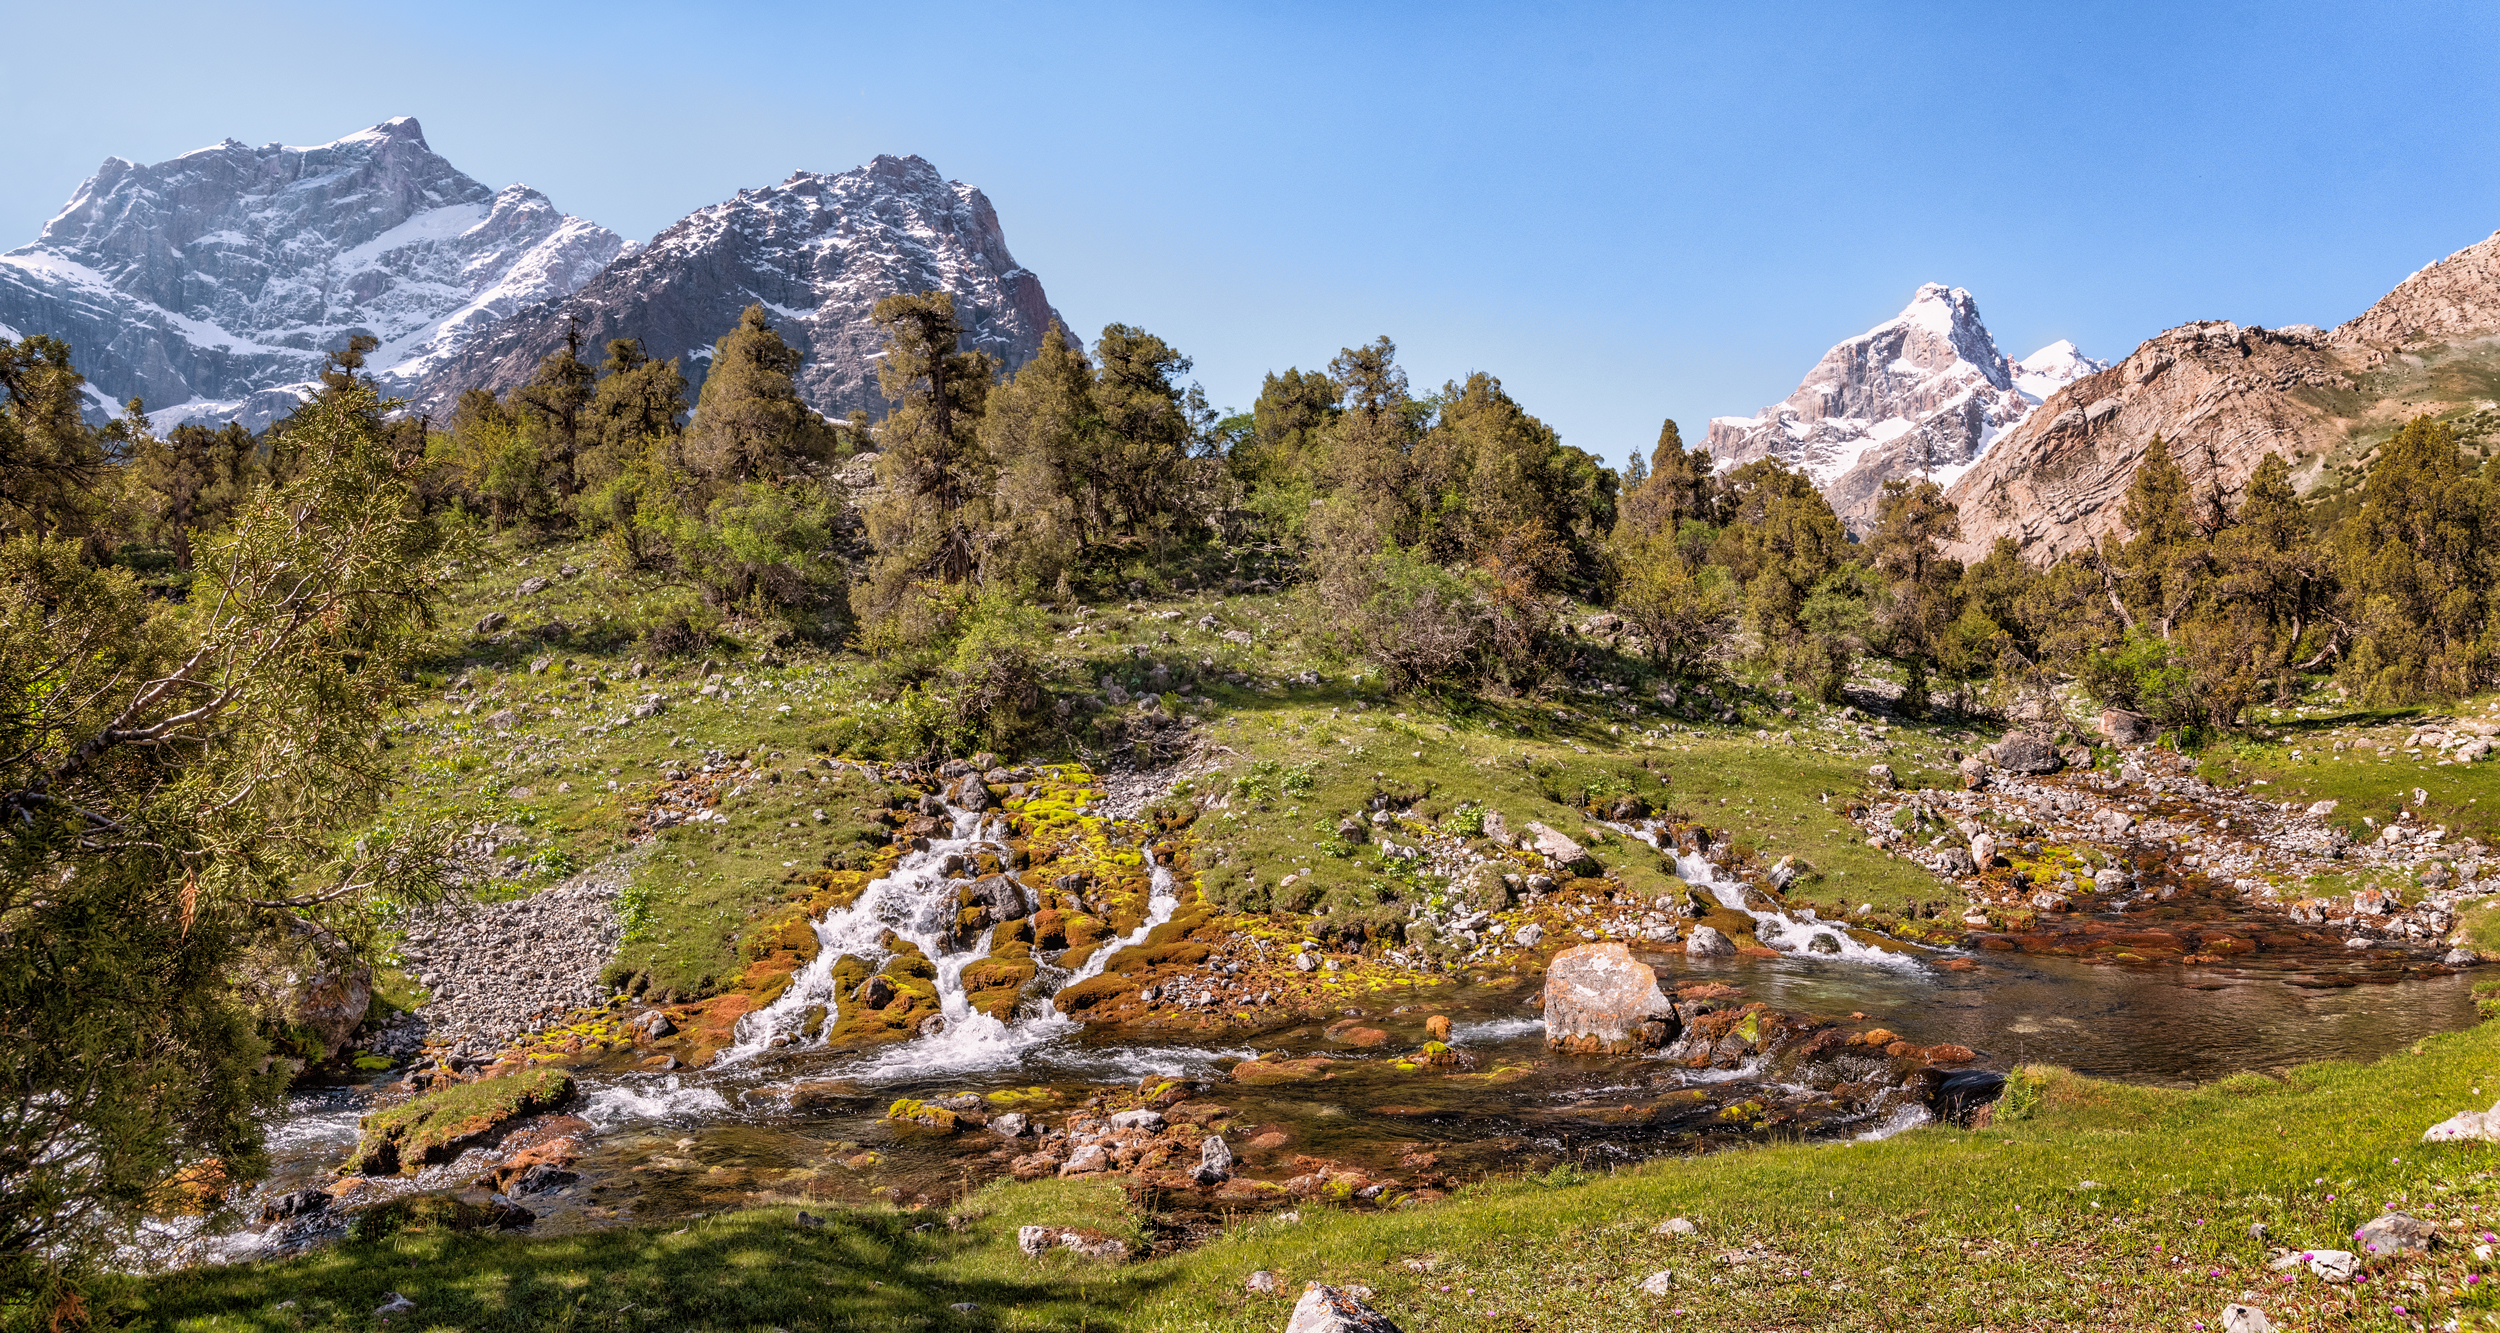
1921 394
2223 397
817 252
213 284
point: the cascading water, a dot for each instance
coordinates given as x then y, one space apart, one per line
1779 930
917 902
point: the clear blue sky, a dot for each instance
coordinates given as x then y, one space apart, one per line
1626 212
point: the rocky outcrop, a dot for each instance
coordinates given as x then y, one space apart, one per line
213 284
2221 395
818 251
1920 395
2224 397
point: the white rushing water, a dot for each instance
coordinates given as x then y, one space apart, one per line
1778 930
917 903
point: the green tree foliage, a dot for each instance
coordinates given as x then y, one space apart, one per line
749 422
2417 562
1780 543
553 403
928 529
51 461
1921 586
179 780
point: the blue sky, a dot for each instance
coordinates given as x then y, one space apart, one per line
1626 212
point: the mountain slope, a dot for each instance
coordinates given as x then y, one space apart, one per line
213 283
1921 394
2224 397
817 251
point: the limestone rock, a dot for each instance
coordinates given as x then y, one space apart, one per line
1708 942
1600 999
1260 1283
1660 1283
1325 1309
2024 752
2395 1233
1528 936
1559 851
1881 775
2127 728
2245 1319
2467 1126
1215 1161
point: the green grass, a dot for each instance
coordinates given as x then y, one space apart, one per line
2465 797
2105 1206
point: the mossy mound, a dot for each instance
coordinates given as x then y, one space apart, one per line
440 1125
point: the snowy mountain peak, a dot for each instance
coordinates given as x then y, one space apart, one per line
212 284
1920 394
817 251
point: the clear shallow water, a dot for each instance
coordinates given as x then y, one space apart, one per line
781 1116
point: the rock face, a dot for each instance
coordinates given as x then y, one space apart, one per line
212 285
2224 397
1599 999
819 251
1920 395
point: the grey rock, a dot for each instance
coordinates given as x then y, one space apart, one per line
1036 1241
1660 1283
1141 1118
1215 1160
1260 1283
394 1303
1325 1309
2245 1319
2127 728
1882 776
1528 936
490 622
229 272
1783 874
531 587
1559 851
2395 1233
1497 828
1959 861
2114 823
2023 752
1089 1158
1010 1125
1708 942
1675 1226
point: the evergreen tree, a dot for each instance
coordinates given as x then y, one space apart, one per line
936 474
2417 560
1142 445
51 462
555 398
1905 547
749 422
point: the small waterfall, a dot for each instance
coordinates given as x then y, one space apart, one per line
917 902
1777 929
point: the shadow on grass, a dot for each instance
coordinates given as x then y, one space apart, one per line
748 1272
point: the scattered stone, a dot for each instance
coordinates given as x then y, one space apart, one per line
2127 728
1089 1158
2393 1233
1528 936
1959 861
1260 1283
1675 1226
2333 1265
1325 1309
1035 1241
1881 775
1011 1125
2467 1126
490 622
396 1304
2322 809
1974 772
2245 1319
2023 752
2114 822
531 587
1660 1283
1983 850
1137 1119
1437 1027
964 1307
1215 1161
1559 852
1708 942
1599 999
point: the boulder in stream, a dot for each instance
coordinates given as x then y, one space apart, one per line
1709 942
1560 851
1599 999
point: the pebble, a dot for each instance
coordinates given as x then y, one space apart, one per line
495 971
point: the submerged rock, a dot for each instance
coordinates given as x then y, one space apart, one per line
1599 999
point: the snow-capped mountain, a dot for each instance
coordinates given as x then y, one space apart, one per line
1921 394
817 252
213 284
